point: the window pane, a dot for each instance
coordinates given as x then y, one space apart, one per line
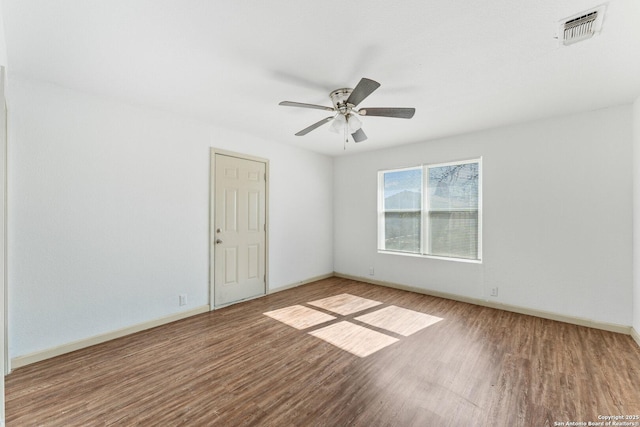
403 190
402 210
402 231
454 234
453 210
453 187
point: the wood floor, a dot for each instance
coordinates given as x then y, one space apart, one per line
237 366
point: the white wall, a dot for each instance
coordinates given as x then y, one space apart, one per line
3 238
636 216
108 214
557 216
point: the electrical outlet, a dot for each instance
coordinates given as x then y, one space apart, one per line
494 292
371 271
182 298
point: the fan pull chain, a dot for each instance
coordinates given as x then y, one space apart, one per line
346 134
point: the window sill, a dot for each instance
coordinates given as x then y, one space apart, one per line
441 258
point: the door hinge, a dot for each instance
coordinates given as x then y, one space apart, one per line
265 278
265 177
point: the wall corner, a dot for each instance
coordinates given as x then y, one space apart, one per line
635 322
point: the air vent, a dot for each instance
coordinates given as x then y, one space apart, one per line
581 26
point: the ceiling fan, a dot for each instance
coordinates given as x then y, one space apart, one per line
346 115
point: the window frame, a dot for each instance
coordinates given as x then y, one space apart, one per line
424 213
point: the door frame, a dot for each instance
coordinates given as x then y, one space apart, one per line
212 211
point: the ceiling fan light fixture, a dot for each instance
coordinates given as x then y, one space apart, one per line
354 123
338 124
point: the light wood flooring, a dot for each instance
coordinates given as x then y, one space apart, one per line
446 364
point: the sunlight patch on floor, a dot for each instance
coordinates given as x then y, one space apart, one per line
355 339
344 304
346 335
299 316
399 320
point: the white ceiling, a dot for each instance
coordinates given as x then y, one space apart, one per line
463 65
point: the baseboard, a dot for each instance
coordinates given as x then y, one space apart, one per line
38 356
636 336
627 330
302 282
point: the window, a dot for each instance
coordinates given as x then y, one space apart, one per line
431 210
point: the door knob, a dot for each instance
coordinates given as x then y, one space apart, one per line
218 241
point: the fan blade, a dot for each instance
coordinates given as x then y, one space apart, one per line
359 135
401 113
303 105
364 88
313 126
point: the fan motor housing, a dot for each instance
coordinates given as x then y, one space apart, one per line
339 98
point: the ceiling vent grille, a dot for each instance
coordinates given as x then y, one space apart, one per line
581 26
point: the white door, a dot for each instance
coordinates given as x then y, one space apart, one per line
239 229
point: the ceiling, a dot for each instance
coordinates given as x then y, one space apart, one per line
463 65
